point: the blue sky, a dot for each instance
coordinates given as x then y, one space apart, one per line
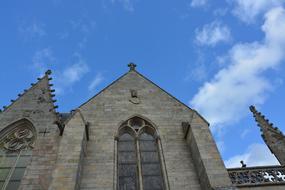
217 57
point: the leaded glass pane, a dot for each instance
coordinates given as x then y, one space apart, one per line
3 173
152 183
13 185
126 146
8 160
1 184
127 168
8 164
127 157
127 183
18 173
149 157
23 160
151 170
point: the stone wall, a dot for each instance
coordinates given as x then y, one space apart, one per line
67 172
112 106
264 187
36 105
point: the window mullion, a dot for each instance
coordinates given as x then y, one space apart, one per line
11 171
163 165
139 164
116 164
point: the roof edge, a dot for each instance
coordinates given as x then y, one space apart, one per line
34 85
133 70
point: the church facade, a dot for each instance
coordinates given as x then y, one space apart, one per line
132 135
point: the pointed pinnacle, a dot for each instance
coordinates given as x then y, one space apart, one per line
252 109
262 122
48 72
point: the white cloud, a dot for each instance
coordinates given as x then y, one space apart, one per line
72 74
43 60
63 79
244 133
226 97
255 155
198 72
128 5
220 12
83 25
95 82
213 33
198 3
248 10
33 30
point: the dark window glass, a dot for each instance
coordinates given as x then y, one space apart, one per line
3 173
13 185
138 157
127 163
18 174
1 184
8 164
151 170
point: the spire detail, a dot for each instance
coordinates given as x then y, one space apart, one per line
48 72
271 135
132 66
262 122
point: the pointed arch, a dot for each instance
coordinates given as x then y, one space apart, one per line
16 141
146 125
138 116
139 163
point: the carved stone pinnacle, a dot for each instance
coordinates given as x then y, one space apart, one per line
252 109
132 66
48 72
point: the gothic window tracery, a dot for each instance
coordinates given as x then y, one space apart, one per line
16 142
139 163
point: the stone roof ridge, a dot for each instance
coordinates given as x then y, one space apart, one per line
264 123
47 76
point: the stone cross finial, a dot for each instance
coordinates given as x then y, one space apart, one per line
132 66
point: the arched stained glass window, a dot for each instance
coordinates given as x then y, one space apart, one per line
150 163
139 165
16 142
127 162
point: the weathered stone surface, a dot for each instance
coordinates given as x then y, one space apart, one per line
108 109
36 106
272 136
67 171
189 156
